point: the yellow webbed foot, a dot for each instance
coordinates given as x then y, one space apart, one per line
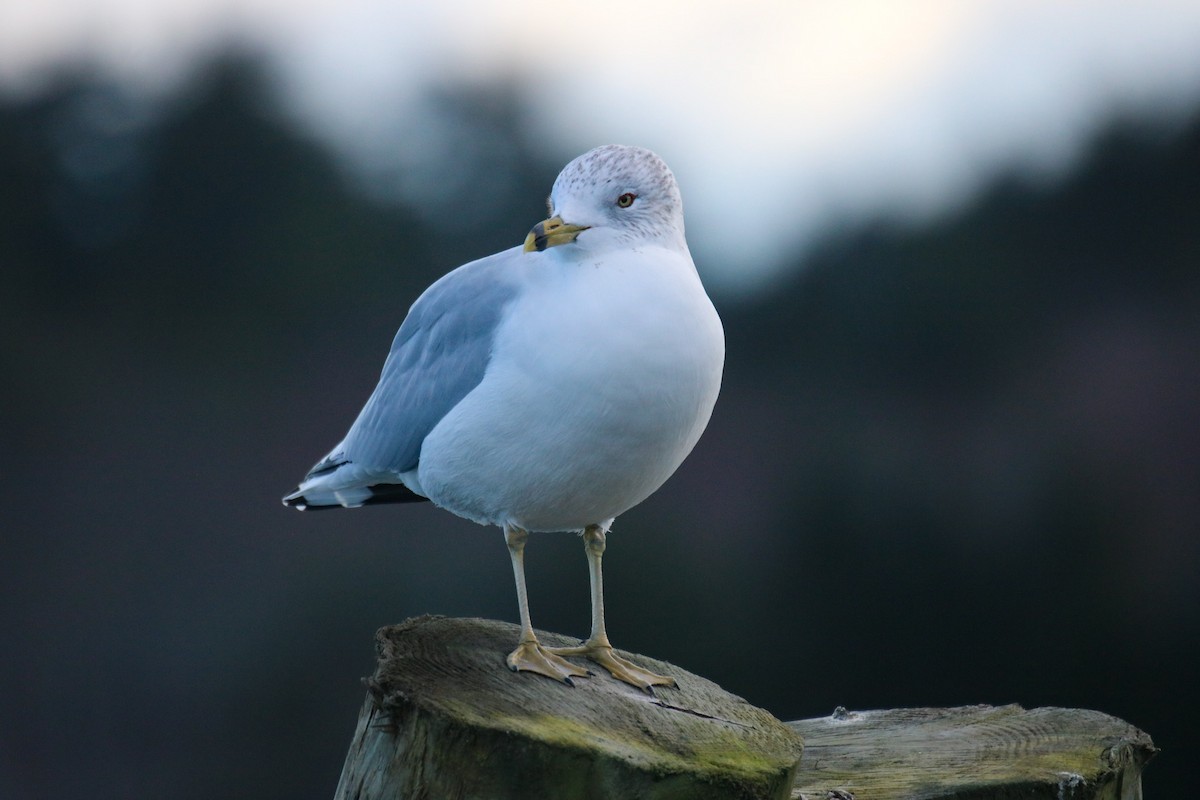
530 656
620 668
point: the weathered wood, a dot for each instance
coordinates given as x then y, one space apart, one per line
976 752
446 719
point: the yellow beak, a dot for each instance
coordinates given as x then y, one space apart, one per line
550 233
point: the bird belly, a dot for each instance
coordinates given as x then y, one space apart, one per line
580 416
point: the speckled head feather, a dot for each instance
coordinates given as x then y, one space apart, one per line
587 192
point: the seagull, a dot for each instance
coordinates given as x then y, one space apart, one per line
549 387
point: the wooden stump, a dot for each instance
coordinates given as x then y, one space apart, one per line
976 752
445 718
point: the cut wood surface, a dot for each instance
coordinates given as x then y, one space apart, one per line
445 718
972 752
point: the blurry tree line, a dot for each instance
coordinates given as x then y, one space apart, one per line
982 432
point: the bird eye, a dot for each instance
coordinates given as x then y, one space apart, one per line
626 200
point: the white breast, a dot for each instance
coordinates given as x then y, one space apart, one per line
603 377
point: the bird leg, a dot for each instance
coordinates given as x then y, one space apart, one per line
530 655
597 647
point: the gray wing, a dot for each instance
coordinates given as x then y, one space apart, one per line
438 356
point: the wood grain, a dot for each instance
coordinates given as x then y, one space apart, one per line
445 718
971 752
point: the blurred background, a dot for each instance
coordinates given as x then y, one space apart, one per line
956 458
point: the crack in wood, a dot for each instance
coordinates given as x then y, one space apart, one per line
695 713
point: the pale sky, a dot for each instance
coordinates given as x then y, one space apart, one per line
779 118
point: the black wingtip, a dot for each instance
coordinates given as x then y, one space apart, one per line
392 493
296 500
381 493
